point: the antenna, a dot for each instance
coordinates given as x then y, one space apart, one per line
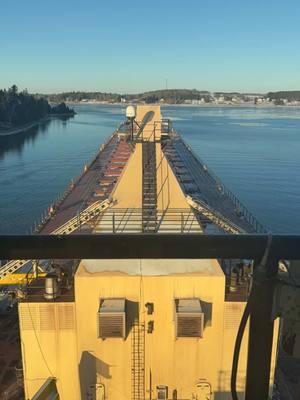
166 83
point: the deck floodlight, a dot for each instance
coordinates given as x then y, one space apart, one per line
130 112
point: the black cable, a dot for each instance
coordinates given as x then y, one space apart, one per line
237 346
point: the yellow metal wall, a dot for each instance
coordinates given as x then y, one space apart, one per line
57 344
48 341
128 192
180 363
153 124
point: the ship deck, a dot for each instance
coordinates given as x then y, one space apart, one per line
96 183
99 179
199 183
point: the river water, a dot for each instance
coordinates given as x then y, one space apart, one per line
255 151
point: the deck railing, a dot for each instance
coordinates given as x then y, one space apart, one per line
181 247
130 220
46 215
259 228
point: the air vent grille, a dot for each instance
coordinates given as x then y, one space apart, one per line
47 317
111 325
111 318
66 318
189 318
29 317
190 325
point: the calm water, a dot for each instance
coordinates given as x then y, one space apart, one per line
256 152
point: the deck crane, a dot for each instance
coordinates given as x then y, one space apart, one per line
7 271
215 217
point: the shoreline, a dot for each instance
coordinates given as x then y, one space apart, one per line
26 127
29 125
205 105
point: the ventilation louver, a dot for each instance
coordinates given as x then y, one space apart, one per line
111 318
189 318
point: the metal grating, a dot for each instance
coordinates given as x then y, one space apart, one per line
28 315
111 325
66 316
189 325
189 318
47 317
149 211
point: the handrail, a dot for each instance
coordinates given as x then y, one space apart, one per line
214 216
140 137
170 220
70 226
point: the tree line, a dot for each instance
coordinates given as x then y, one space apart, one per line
172 96
290 95
19 108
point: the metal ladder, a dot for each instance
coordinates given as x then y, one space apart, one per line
149 203
70 226
138 361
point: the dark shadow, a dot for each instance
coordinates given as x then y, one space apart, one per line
87 372
15 143
89 367
132 314
64 117
102 369
207 310
147 118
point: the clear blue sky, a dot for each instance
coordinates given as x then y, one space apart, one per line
132 46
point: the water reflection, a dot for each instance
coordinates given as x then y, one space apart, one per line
14 144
